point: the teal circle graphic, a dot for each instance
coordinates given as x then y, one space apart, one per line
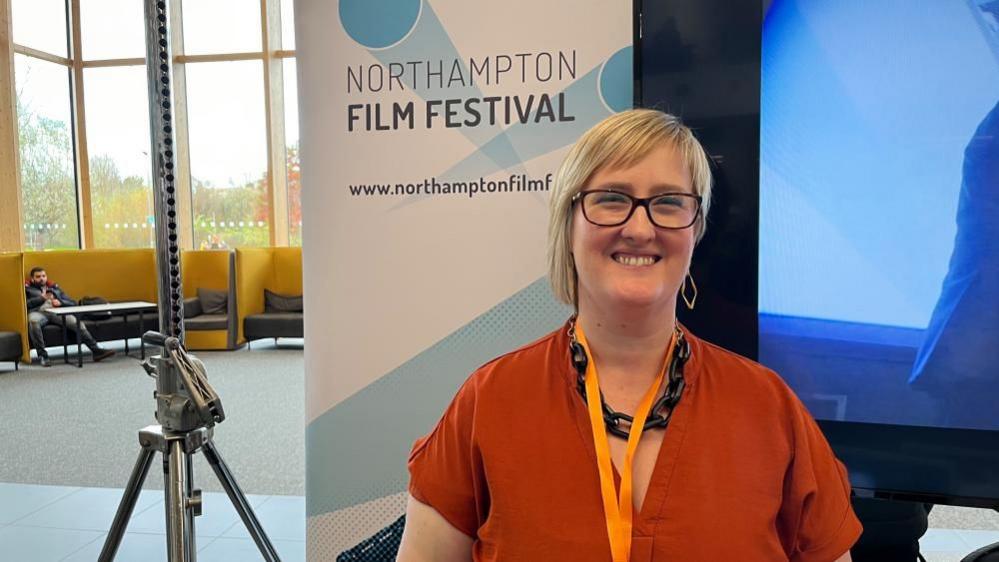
376 24
617 81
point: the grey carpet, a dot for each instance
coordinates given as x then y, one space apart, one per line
79 427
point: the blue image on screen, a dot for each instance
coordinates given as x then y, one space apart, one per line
879 208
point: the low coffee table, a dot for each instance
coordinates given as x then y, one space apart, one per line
115 308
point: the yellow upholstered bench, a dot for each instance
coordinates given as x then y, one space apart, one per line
117 275
278 270
13 314
212 270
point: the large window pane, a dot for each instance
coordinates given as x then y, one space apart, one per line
47 175
118 143
112 29
291 141
288 25
225 105
221 26
40 24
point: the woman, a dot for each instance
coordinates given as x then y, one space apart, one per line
524 465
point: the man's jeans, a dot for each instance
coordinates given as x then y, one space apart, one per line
39 318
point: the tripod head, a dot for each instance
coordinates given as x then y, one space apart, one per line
184 399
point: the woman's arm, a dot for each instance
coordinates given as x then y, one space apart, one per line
428 537
845 558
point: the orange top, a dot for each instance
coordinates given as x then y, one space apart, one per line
743 472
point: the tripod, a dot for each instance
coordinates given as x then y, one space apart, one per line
188 408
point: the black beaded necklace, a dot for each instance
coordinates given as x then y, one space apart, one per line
663 409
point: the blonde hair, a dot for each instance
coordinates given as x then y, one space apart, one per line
619 141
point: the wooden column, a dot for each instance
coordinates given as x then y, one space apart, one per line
277 173
84 208
11 228
182 152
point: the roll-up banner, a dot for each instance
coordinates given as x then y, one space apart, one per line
431 133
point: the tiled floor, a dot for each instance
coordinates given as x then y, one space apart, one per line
951 545
59 523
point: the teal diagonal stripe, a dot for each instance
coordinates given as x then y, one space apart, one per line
356 452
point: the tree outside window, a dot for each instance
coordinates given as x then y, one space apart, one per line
225 127
48 187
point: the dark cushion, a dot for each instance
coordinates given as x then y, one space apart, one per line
207 322
274 302
274 325
10 346
53 334
192 307
114 328
213 301
117 329
84 301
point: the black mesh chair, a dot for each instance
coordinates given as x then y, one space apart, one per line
381 547
891 530
988 553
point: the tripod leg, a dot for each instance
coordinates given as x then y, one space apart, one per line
127 505
178 532
239 502
192 549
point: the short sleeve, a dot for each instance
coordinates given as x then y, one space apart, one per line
445 467
816 520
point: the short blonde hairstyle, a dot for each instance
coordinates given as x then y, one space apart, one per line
619 141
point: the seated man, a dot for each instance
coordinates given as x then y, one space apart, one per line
42 295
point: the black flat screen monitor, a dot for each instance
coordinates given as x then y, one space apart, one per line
876 258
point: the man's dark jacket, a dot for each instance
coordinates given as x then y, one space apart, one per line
35 300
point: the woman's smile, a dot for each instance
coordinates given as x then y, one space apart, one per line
635 260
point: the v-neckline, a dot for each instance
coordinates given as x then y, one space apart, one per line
666 458
662 470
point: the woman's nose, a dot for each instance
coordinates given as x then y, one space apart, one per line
639 226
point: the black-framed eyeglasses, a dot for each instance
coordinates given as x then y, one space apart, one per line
606 207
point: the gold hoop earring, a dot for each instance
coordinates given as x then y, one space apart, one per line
691 300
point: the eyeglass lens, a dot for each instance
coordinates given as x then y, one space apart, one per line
609 208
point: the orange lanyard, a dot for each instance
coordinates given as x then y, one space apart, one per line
618 510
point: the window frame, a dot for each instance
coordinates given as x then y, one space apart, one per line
271 57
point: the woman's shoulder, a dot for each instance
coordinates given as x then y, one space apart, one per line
525 363
751 396
716 365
